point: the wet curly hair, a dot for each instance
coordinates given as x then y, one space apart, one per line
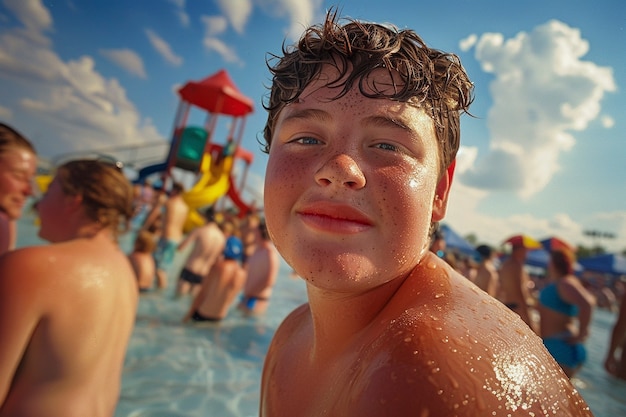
431 79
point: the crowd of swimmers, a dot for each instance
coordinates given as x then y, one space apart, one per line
228 258
557 304
362 135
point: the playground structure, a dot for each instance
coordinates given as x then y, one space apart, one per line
192 148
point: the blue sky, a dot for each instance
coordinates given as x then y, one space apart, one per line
544 154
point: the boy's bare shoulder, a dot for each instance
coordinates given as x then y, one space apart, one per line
453 347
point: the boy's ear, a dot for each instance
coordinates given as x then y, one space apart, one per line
440 203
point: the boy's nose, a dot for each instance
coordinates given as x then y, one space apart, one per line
343 170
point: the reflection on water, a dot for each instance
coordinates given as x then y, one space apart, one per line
214 370
206 369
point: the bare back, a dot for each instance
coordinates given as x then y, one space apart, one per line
176 211
514 288
145 269
76 319
219 289
262 269
208 243
487 278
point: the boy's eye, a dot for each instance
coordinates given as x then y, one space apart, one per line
307 141
387 146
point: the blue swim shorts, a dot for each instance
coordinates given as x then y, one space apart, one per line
164 253
566 354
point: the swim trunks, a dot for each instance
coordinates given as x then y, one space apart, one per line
164 253
549 297
191 277
199 317
566 354
250 302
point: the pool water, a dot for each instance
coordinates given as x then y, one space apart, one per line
214 369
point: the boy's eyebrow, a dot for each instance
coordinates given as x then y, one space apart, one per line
316 114
324 116
389 122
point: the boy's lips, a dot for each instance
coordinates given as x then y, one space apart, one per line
336 217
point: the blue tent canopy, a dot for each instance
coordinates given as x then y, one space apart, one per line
456 242
540 257
611 263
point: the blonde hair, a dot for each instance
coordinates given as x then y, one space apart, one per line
107 194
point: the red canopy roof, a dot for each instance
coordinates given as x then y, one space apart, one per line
217 94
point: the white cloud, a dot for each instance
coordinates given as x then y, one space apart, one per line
66 105
32 13
607 122
182 15
301 13
542 92
237 11
163 48
467 43
126 59
227 54
214 26
6 113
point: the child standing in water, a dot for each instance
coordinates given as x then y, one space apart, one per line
362 135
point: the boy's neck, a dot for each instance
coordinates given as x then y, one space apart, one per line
339 319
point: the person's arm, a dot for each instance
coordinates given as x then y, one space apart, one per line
521 285
571 290
492 286
152 216
618 335
20 310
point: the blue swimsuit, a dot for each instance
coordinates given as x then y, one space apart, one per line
566 354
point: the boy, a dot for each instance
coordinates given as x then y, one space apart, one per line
362 133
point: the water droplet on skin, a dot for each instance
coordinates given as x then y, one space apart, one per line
438 295
407 339
431 265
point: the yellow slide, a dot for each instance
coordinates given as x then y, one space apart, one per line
43 181
212 185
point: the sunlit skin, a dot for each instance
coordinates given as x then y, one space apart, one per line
17 170
352 186
67 310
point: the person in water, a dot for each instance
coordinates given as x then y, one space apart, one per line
224 281
261 273
362 134
565 309
18 164
615 361
67 309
